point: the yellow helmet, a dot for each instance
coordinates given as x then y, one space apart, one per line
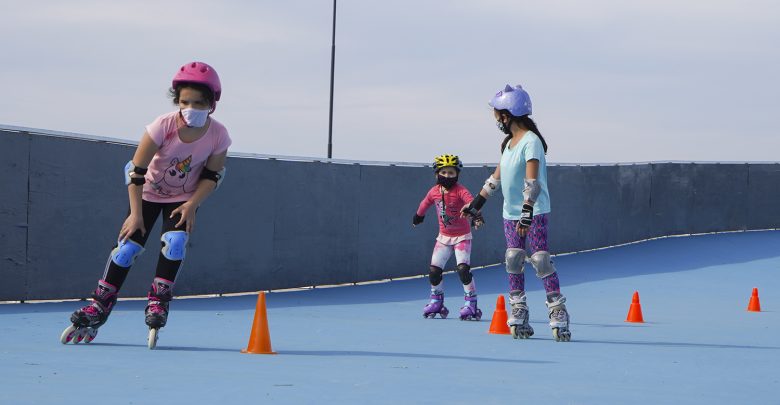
442 161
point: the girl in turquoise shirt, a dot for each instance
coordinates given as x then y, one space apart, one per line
522 174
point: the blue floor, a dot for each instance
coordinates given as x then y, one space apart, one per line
370 343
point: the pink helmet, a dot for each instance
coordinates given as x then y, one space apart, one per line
199 72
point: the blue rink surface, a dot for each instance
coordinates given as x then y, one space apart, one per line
370 344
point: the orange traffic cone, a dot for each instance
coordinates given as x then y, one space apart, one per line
754 305
635 311
498 325
259 338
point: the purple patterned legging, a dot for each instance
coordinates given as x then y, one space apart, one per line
537 237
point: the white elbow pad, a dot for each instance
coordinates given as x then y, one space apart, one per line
491 185
531 190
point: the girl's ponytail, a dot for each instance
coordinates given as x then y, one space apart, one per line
527 123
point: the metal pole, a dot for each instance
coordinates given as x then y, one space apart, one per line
332 67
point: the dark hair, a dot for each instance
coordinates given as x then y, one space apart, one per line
174 93
527 123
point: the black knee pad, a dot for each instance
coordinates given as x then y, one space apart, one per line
464 271
435 275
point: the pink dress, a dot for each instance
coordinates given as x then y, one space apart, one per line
454 231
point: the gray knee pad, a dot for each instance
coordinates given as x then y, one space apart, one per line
515 260
174 245
542 263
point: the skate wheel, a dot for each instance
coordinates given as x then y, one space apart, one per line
561 336
79 335
152 342
90 335
520 333
67 334
444 312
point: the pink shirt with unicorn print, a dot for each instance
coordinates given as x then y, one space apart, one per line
175 169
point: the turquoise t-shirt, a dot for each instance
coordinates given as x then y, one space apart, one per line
513 162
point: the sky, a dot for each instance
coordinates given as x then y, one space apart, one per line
610 81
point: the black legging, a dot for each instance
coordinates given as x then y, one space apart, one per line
166 268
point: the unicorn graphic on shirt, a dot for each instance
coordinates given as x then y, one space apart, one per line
174 177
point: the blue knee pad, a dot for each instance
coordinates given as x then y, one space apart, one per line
125 253
174 245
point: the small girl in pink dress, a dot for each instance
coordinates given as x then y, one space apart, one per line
454 236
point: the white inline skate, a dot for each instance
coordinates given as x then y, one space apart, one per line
559 318
518 319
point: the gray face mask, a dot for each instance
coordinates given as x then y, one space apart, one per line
194 118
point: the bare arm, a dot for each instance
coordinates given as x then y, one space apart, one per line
215 163
143 156
526 217
187 210
135 221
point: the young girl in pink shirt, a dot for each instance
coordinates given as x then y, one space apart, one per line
178 163
454 235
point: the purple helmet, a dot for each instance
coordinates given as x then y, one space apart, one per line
513 99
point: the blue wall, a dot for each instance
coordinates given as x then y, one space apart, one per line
280 223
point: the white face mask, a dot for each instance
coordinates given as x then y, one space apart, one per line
195 118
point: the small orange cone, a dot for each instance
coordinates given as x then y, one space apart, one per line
498 325
259 338
635 311
754 305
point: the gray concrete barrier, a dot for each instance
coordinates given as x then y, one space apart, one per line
281 223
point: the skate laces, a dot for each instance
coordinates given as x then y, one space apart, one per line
99 305
92 309
519 311
157 307
559 314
